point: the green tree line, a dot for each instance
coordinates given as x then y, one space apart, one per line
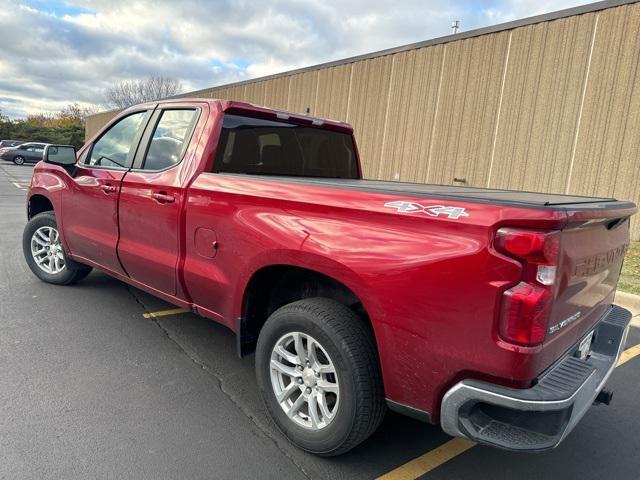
65 127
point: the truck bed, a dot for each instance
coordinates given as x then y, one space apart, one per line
515 198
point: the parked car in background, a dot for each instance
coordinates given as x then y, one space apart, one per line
24 153
10 143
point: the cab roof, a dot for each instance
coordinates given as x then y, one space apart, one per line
267 113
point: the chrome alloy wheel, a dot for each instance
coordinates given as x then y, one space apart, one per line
304 380
46 250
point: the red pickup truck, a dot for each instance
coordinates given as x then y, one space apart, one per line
488 311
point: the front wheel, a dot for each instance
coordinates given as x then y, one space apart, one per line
318 373
18 160
44 254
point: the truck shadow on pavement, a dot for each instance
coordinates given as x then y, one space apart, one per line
212 347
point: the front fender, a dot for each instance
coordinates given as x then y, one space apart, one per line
48 182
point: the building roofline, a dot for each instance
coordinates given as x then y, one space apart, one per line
545 17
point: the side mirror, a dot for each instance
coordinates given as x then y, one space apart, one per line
63 155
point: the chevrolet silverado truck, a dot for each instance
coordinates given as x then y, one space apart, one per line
487 311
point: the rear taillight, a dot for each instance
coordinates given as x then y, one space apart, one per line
526 307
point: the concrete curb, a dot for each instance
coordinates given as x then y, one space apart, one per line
632 303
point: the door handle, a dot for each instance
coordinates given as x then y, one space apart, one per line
163 197
108 188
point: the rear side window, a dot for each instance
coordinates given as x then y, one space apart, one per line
264 147
170 139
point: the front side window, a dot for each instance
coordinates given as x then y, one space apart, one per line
114 147
265 147
170 139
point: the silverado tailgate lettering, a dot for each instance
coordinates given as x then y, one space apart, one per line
594 264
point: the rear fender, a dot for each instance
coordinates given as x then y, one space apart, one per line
329 268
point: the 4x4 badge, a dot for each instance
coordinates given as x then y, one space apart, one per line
431 210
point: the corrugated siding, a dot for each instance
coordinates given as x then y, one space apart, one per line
543 85
467 110
551 106
256 92
303 91
607 157
333 92
277 93
369 80
411 112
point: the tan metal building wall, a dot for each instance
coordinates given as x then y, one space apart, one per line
95 122
550 103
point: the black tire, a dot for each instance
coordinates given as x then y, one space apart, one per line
19 160
351 346
72 272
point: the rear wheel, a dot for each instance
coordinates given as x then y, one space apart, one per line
318 373
18 160
44 253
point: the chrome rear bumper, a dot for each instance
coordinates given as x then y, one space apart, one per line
537 418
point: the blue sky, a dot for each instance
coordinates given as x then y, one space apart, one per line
58 8
56 52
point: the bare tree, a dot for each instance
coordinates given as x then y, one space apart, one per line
76 113
129 92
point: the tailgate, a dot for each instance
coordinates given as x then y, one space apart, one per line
593 246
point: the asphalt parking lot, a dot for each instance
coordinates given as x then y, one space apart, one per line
93 385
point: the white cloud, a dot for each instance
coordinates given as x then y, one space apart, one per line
72 54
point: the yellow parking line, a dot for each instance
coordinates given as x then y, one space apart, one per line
164 313
430 460
436 457
628 354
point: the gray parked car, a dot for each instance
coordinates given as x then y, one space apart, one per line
10 143
30 152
